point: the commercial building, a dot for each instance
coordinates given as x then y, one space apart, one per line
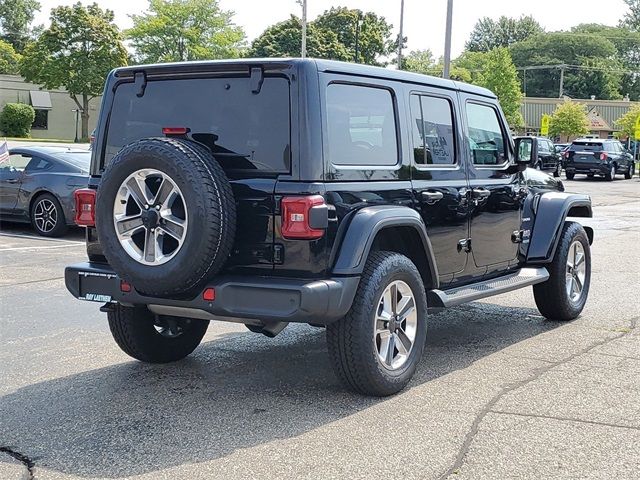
602 114
55 110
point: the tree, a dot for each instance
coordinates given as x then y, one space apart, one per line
627 45
9 59
181 30
285 38
569 119
15 20
566 48
374 33
77 52
332 36
500 76
631 19
627 122
422 61
488 34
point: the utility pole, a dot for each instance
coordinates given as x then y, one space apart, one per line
358 25
562 67
400 36
303 51
447 40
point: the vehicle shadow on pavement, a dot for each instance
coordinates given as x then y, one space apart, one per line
237 392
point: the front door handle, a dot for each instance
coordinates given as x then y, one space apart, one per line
431 197
12 180
481 193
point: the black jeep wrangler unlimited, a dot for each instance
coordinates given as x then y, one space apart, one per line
351 197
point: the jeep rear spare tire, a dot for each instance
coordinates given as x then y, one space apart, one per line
165 215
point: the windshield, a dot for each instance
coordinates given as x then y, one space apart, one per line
80 160
244 130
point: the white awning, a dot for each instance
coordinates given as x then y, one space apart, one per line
40 100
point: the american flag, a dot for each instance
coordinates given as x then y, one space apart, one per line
4 152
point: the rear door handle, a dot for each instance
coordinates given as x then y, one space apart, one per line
481 193
12 180
430 197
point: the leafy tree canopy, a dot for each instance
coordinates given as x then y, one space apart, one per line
488 33
569 119
332 35
15 21
180 30
422 61
631 19
77 52
593 51
9 59
627 122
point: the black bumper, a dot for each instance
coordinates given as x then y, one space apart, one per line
595 168
236 298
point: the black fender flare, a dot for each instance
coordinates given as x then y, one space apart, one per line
551 210
362 231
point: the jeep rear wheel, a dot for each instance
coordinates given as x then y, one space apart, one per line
375 349
153 338
563 296
165 215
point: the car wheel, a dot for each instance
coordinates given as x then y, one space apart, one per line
629 174
557 171
563 296
611 174
538 166
154 338
377 346
47 217
570 175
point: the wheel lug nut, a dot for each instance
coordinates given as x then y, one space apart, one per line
157 207
146 205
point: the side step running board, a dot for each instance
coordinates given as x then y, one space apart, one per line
475 291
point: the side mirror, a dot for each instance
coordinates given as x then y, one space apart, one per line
524 153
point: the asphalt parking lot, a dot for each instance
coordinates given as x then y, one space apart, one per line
500 393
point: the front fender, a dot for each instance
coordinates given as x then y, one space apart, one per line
550 212
363 229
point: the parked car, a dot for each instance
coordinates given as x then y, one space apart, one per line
561 147
37 185
598 157
344 196
545 156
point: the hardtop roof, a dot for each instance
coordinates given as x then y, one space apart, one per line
320 65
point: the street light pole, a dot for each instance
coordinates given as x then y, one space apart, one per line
303 52
447 40
400 36
358 24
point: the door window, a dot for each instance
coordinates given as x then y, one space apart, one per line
486 139
432 127
16 161
361 126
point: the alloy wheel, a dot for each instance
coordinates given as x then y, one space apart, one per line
45 215
396 325
150 217
576 271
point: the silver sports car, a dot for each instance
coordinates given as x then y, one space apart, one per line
37 185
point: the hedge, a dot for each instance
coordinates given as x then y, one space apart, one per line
16 120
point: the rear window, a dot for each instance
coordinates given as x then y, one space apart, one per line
586 147
79 160
244 130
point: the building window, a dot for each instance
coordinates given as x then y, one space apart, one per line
42 120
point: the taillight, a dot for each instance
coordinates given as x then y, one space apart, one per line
304 218
175 130
603 156
85 207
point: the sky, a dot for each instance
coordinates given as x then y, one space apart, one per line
424 20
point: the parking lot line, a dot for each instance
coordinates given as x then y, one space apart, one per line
34 237
42 247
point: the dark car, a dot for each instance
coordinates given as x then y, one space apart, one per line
37 185
561 147
349 197
546 157
598 157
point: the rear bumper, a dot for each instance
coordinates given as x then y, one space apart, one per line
595 168
242 299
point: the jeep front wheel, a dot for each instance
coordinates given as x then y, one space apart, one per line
154 338
377 346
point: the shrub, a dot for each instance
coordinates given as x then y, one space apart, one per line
16 119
